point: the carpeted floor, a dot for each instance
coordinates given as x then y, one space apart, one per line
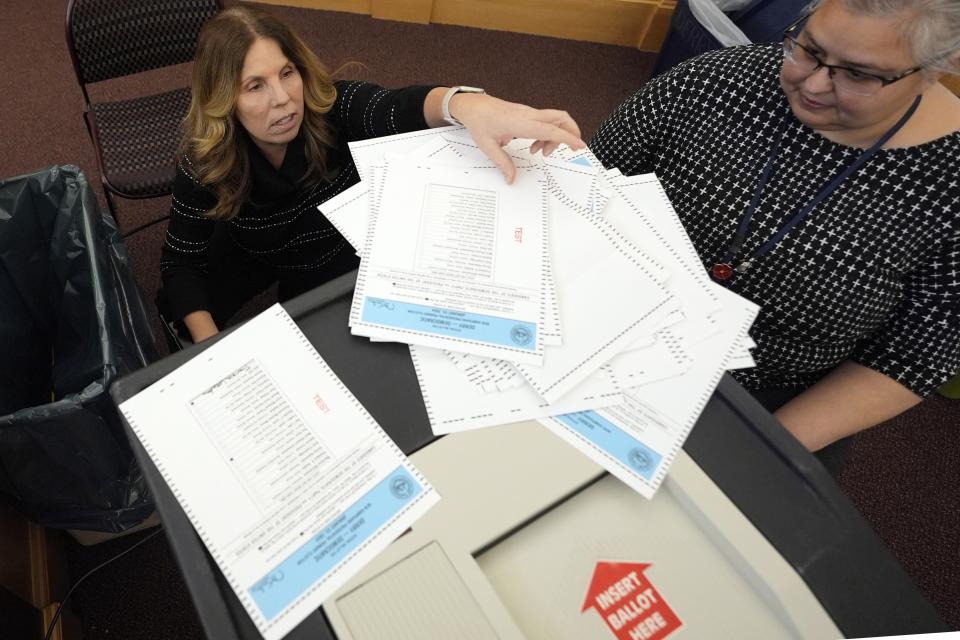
904 475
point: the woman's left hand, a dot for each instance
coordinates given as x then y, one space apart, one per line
493 123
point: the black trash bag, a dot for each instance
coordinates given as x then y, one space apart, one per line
71 321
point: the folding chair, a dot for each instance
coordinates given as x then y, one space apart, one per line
135 139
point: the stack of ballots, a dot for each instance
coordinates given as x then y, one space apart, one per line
573 296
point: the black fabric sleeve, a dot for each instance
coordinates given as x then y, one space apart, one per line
364 110
183 260
919 345
630 139
643 132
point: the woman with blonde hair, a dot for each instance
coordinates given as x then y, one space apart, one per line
820 178
265 142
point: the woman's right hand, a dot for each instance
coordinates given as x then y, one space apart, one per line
493 123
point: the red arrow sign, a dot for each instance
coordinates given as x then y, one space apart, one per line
628 603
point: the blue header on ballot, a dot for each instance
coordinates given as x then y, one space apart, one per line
451 323
308 564
613 440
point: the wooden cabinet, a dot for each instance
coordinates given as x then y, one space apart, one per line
632 23
33 577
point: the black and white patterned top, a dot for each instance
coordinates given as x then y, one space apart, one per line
280 225
872 275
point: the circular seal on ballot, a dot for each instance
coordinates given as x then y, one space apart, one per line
520 334
639 459
401 487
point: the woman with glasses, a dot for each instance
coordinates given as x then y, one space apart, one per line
820 178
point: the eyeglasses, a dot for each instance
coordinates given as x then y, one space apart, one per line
844 79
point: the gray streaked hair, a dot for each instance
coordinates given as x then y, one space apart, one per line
933 32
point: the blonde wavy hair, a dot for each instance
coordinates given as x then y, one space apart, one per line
213 139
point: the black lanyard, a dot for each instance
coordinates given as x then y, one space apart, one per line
724 269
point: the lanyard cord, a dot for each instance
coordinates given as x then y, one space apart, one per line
825 192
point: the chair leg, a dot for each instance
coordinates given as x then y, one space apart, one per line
110 205
145 225
176 334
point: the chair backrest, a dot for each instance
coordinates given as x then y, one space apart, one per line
114 38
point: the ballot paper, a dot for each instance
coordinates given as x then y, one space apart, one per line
740 361
347 211
455 403
455 259
594 267
370 152
489 374
643 213
664 358
584 249
638 439
289 482
634 334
